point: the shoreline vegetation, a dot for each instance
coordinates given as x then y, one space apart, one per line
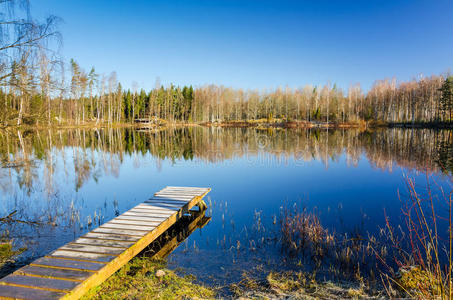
147 278
408 261
259 123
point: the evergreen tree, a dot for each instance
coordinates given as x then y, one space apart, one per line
446 99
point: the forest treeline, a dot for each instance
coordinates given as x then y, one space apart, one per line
38 88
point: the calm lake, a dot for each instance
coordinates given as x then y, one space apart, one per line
63 183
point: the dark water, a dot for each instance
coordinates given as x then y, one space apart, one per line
71 180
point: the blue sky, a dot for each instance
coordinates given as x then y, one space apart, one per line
256 43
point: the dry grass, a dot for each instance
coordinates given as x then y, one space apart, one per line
296 285
145 278
421 251
414 260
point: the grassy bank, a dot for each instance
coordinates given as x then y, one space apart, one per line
145 278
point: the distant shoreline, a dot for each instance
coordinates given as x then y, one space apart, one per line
244 124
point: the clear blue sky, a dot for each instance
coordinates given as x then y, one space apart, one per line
256 43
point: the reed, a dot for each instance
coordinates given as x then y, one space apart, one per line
421 250
414 259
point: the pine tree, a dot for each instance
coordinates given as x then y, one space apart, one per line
446 99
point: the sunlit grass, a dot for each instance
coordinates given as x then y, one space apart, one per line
139 279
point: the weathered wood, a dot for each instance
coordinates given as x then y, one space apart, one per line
156 207
171 198
144 228
111 236
171 202
141 217
63 274
67 264
99 242
71 270
154 211
56 285
82 256
146 213
120 231
177 194
135 222
93 249
186 188
16 292
174 196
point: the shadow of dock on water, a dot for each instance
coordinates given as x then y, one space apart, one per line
176 234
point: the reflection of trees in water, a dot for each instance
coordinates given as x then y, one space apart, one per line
97 152
425 149
36 166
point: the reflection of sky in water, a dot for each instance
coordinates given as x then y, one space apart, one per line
347 196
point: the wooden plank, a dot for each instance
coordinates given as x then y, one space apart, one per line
178 194
99 242
157 207
51 284
67 264
111 236
15 292
178 188
167 203
147 213
159 213
181 192
174 195
93 249
90 257
144 228
180 199
155 210
142 217
185 187
171 201
63 274
135 222
174 206
119 231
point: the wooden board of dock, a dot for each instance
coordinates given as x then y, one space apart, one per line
73 269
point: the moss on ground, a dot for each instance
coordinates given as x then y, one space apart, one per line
144 278
296 285
417 282
7 253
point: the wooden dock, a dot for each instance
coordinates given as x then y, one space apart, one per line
73 269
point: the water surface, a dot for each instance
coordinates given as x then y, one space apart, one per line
70 181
